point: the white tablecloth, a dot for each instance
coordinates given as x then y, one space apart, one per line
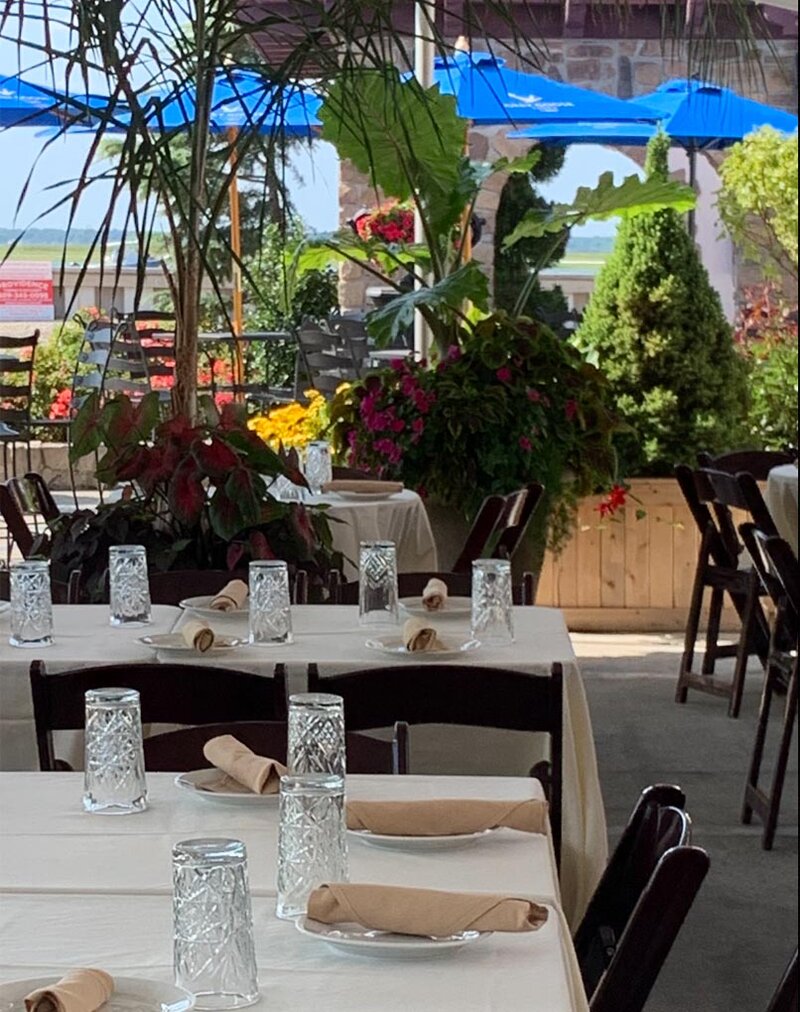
781 498
401 518
85 890
330 636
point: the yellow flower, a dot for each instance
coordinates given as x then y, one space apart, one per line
293 424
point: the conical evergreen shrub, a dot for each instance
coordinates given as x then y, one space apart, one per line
655 326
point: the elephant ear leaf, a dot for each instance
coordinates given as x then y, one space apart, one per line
606 200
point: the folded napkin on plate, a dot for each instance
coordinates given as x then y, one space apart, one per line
434 595
197 635
79 990
446 816
417 636
422 911
362 485
232 596
244 770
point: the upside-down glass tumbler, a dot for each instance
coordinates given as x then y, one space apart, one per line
377 584
318 468
31 605
270 604
316 734
312 841
492 602
128 585
214 953
114 780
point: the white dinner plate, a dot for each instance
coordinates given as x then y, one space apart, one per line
364 496
394 647
193 783
200 606
416 844
176 642
455 607
131 994
385 944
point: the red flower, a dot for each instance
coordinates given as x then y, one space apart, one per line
525 444
615 500
504 374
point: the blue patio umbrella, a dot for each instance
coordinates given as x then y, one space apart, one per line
488 92
698 115
240 100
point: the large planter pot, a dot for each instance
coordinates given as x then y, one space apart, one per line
630 574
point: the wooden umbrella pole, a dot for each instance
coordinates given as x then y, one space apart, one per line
236 270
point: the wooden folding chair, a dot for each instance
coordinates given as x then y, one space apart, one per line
657 823
170 694
180 751
457 694
718 571
781 675
651 931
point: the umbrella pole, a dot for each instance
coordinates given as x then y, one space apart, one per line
236 271
690 220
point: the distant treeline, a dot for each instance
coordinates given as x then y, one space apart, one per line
591 244
55 236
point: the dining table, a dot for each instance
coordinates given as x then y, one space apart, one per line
781 497
331 637
400 517
80 889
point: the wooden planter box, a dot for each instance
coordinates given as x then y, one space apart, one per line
631 575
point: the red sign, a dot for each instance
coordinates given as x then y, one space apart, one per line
26 291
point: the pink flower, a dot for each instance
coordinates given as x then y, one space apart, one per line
525 444
534 396
453 353
571 409
504 374
398 364
408 385
398 425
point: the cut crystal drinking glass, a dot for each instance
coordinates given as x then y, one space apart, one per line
312 842
214 953
318 469
377 584
492 603
316 734
128 585
114 779
270 605
31 605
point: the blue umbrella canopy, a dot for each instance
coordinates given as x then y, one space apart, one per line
488 92
699 114
25 104
240 100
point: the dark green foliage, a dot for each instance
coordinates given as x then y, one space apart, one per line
656 327
513 265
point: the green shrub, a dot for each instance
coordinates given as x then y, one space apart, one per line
655 326
766 334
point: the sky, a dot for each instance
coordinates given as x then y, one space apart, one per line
313 181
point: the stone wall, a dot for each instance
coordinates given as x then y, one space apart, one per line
621 67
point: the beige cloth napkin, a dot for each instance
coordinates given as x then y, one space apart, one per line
362 485
418 636
422 911
244 770
446 816
434 594
232 596
79 990
197 635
